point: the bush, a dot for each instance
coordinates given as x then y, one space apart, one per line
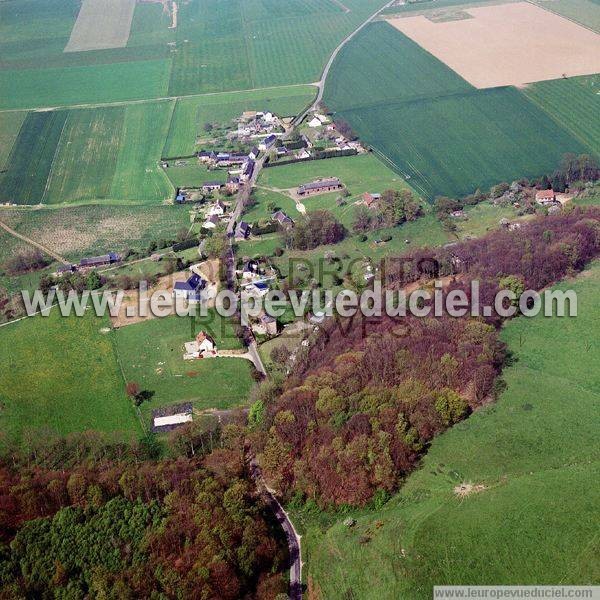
185 245
362 238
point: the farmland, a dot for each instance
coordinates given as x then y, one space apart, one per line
191 114
61 375
30 160
84 155
151 354
535 452
74 232
448 142
571 102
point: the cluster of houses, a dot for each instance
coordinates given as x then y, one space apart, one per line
255 283
254 124
93 262
320 186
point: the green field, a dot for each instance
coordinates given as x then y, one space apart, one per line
194 174
77 231
381 66
10 124
30 160
151 354
86 155
536 453
448 138
571 102
586 12
61 374
191 114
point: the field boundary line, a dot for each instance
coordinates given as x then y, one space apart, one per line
156 99
56 150
544 7
29 241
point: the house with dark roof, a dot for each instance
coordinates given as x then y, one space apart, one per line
65 269
253 154
247 170
99 261
282 219
190 289
320 185
211 186
167 418
242 231
268 142
211 222
233 183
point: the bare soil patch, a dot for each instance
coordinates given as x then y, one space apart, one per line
507 44
101 24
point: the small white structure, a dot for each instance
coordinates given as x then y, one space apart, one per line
170 417
314 122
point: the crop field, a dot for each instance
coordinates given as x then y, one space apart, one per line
507 31
86 155
10 124
74 232
446 139
586 12
535 452
151 354
60 374
572 102
30 160
138 176
391 70
191 114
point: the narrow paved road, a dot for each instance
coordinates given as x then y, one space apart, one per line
321 83
33 243
293 539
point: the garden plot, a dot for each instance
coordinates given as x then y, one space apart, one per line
508 44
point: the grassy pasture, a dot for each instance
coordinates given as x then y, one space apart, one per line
191 114
586 12
61 374
536 452
30 160
571 102
151 353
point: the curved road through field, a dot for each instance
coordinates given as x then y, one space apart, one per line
321 83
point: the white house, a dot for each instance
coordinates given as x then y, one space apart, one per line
190 289
218 209
211 222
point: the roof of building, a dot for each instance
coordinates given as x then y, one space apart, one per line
169 417
212 184
281 217
193 284
542 194
321 183
100 260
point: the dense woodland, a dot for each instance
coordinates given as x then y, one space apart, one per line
83 518
348 430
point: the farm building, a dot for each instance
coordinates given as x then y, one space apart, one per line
247 170
190 289
167 418
545 197
65 269
233 184
99 261
268 142
242 231
211 222
320 185
207 156
282 219
211 186
370 199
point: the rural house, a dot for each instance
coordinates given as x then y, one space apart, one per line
211 222
266 325
233 184
190 289
267 143
320 185
253 154
218 208
545 197
247 170
242 231
282 219
167 418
